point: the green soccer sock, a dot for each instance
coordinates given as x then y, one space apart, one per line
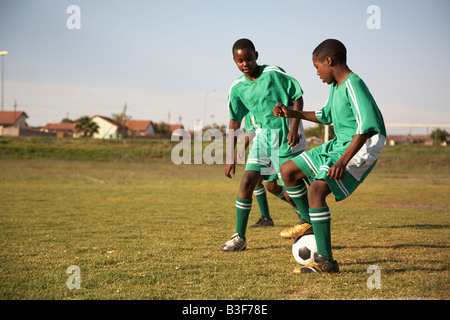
261 197
299 195
280 194
321 221
298 214
243 207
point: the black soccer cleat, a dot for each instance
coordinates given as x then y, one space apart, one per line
321 264
263 222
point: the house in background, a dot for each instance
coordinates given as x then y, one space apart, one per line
12 123
61 130
108 128
139 128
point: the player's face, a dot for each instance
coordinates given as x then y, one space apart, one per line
324 70
245 60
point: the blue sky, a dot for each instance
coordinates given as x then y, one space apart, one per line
163 57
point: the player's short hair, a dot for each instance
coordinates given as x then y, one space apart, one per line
243 44
331 48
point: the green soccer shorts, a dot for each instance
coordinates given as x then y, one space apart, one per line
267 163
315 164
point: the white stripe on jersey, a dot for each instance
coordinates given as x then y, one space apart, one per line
355 102
277 69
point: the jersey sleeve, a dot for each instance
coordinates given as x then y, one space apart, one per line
293 88
364 107
285 83
324 114
236 108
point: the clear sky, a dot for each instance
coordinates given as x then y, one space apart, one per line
172 59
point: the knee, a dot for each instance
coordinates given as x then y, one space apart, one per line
245 181
317 193
249 180
313 192
285 173
289 174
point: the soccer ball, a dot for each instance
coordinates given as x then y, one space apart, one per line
304 248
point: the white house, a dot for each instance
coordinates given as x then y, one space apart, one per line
12 122
108 128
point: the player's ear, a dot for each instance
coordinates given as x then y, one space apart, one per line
256 55
331 62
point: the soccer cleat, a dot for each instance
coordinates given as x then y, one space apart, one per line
263 222
321 264
297 231
234 244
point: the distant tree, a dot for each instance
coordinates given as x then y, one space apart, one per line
86 127
163 127
439 135
67 120
222 128
119 117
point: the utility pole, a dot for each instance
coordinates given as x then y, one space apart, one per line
3 53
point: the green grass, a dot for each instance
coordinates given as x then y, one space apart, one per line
130 150
148 229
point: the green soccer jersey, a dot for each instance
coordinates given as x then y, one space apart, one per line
250 125
352 110
259 97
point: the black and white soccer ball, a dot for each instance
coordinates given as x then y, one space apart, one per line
304 248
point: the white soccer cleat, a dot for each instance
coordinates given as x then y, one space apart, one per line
234 244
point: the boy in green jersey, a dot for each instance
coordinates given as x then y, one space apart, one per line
340 165
257 91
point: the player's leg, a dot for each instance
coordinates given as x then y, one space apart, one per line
321 221
261 197
280 192
296 189
320 216
243 207
244 200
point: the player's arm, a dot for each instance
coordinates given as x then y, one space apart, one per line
293 137
281 110
231 167
338 170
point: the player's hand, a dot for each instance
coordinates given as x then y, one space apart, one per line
241 156
293 138
337 171
281 110
230 168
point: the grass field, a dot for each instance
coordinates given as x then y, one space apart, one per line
139 227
